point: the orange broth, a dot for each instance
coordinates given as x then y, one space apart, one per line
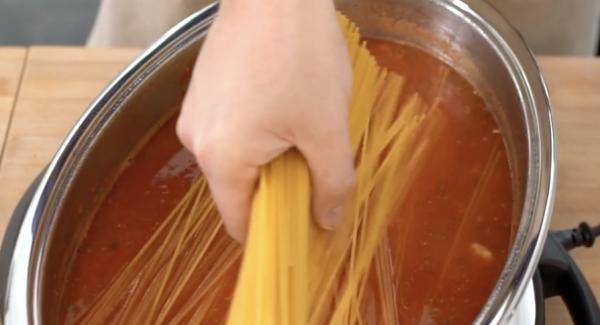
450 239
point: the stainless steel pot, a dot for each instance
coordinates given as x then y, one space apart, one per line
469 35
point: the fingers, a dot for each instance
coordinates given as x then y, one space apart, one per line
229 159
232 184
232 192
330 159
231 169
230 178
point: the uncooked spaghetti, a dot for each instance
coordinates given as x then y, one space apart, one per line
292 272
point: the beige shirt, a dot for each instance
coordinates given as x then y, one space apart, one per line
138 22
568 27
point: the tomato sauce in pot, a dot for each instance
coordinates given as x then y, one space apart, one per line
449 241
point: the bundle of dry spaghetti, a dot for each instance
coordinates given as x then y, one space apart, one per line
291 272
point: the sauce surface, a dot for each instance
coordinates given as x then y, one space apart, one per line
453 236
449 242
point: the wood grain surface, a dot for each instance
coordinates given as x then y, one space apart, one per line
574 85
11 67
57 84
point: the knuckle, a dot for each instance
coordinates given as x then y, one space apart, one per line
218 159
205 151
181 129
345 184
234 229
339 185
349 182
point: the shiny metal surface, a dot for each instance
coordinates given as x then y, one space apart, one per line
524 313
126 111
470 36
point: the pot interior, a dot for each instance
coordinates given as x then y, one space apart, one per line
151 90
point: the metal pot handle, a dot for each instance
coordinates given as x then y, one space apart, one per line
561 276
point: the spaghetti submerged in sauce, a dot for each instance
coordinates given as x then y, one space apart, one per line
447 245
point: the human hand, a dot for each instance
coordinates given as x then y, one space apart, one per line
271 75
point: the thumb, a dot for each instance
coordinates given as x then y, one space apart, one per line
328 153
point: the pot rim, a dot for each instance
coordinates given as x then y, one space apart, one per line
22 302
542 149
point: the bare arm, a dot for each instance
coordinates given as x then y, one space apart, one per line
273 74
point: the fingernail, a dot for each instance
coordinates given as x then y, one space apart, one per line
333 219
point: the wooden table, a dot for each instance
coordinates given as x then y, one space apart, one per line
43 90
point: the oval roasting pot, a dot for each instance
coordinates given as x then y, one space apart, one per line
469 35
